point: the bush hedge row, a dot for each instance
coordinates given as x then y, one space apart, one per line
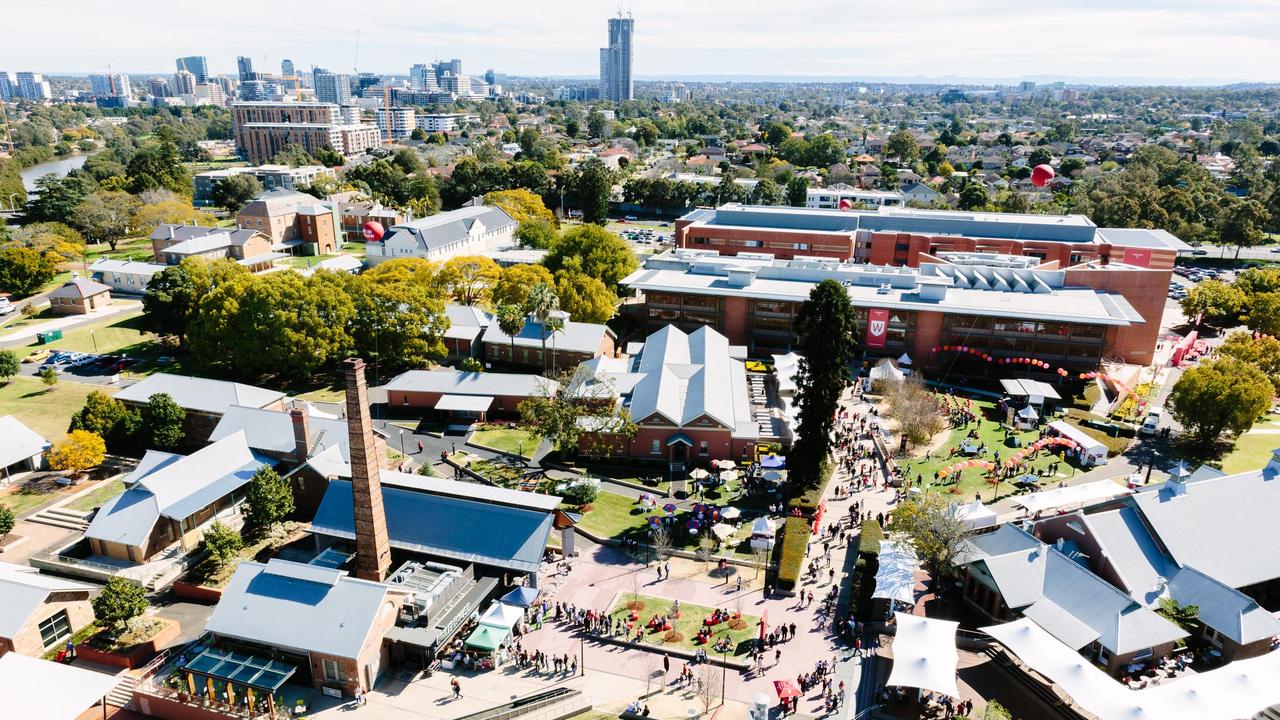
795 541
869 537
807 502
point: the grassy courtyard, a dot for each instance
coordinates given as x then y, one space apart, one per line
616 516
508 440
119 334
1252 450
97 496
45 410
687 625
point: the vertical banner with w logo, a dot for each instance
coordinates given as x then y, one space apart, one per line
877 328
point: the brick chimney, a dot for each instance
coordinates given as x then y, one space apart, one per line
301 435
373 550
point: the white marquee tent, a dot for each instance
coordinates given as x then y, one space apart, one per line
924 655
34 689
501 615
785 367
1237 690
895 579
974 515
886 370
1070 495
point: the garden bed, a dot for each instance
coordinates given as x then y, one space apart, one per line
687 625
132 649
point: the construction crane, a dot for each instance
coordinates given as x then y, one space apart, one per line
386 106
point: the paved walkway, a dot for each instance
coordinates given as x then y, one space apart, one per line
27 333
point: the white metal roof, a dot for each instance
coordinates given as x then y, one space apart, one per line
456 382
199 394
18 442
465 403
34 689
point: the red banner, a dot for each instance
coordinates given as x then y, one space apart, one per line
877 328
1137 256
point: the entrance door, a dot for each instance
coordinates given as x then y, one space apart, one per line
679 452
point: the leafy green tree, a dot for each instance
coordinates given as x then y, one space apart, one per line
49 377
903 146
396 324
1219 396
826 327
1219 302
7 521
10 365
934 530
418 134
80 451
235 192
158 165
646 132
775 133
973 197
294 156
523 206
767 192
1264 313
516 282
577 411
823 151
797 191
590 188
1070 167
174 294
1039 156
162 420
536 234
108 418
470 278
542 303
106 215
223 543
594 251
1242 223
597 124
23 271
268 499
119 602
1261 352
585 298
57 198
1184 616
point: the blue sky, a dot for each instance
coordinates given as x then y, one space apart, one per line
1209 40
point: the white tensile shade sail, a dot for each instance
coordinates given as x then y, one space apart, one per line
924 655
1081 494
896 576
1236 690
501 615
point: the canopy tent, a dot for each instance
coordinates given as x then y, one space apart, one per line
1028 413
730 513
465 403
500 615
724 464
974 515
773 461
1237 690
904 359
1092 452
924 655
786 366
522 597
1034 391
1081 494
698 473
487 637
896 577
786 689
886 370
763 526
723 531
35 689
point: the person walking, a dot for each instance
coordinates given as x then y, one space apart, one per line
419 447
457 688
666 665
777 657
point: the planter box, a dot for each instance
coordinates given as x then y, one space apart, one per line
198 593
133 657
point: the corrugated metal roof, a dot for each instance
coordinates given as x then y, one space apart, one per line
77 288
574 337
1132 552
448 527
272 430
22 591
298 607
447 228
1225 609
456 382
18 442
199 394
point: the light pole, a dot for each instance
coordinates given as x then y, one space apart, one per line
13 206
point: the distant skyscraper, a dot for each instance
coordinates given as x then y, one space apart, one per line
196 65
286 67
332 87
184 83
159 87
367 80
245 66
447 67
33 86
7 85
112 85
615 61
422 77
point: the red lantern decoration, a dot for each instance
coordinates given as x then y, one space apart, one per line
372 231
1041 175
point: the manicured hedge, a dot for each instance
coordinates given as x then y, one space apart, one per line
869 537
794 543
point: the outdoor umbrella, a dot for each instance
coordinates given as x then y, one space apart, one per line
722 531
700 507
773 461
729 475
669 507
698 473
773 476
693 524
725 464
785 689
730 513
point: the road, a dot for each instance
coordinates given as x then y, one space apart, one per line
1266 252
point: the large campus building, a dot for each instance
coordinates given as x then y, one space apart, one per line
1052 287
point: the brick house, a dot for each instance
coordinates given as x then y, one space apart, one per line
293 221
204 400
80 296
40 612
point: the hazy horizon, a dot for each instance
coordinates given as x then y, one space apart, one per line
1120 42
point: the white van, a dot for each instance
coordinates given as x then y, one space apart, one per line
1151 425
6 307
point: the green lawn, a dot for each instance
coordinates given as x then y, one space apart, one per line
137 248
974 480
1253 450
118 334
612 515
302 263
99 495
45 410
687 625
513 442
22 499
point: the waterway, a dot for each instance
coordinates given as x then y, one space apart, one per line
59 167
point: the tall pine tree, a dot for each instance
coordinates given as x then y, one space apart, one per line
826 329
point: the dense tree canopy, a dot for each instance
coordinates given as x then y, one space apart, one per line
594 251
1220 396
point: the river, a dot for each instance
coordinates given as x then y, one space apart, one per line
59 167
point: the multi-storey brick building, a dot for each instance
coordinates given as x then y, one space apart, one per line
263 129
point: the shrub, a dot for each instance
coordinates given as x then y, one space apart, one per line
807 503
7 521
794 543
869 538
581 493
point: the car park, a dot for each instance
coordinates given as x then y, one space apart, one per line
38 356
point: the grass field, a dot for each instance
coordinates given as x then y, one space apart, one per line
687 625
612 515
24 498
118 334
1253 449
136 248
513 442
99 495
302 263
45 410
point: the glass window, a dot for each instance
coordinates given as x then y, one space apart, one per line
55 629
654 447
702 448
332 673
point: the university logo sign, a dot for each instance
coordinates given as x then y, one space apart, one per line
877 328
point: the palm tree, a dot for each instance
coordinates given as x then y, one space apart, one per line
542 302
510 321
554 323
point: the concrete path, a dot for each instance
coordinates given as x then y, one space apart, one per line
27 333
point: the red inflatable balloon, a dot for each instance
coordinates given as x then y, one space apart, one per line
1041 175
373 231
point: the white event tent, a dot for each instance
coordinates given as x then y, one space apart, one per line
35 689
501 615
895 578
974 515
1071 495
924 655
1236 690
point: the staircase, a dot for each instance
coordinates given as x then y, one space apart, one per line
122 694
60 517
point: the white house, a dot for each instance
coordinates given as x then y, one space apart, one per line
21 448
127 276
465 231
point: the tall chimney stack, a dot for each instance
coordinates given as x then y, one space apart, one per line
373 550
301 435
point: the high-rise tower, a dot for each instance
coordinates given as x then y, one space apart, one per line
615 61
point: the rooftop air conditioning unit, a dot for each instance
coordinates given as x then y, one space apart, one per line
884 289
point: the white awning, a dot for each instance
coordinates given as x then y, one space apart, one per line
501 615
924 655
34 689
1028 413
896 576
974 515
1236 690
465 403
1081 494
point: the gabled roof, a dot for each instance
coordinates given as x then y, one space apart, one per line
79 288
128 267
456 382
18 442
23 590
466 322
35 689
298 607
175 487
199 394
573 337
445 526
1225 609
272 430
444 229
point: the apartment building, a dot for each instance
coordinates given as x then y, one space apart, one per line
263 129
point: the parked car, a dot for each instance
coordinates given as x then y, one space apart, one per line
6 307
1199 251
38 356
